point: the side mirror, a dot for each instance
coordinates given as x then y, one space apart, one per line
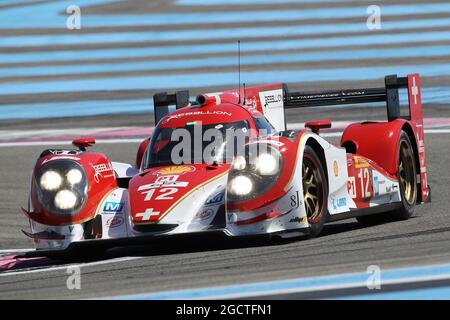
316 125
140 154
83 143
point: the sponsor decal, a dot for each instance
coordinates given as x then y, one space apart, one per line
376 189
339 203
112 207
61 158
169 180
296 220
204 214
335 168
391 188
361 163
115 222
272 99
102 170
174 170
197 113
218 198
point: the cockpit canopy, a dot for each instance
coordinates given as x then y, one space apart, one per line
204 135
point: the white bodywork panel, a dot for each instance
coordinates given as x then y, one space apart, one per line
124 170
273 107
72 233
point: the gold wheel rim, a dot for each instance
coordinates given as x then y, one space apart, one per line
312 190
406 173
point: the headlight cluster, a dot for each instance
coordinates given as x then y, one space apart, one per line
253 174
61 187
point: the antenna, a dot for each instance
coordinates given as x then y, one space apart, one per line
239 69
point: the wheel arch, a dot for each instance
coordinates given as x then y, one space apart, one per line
409 131
319 150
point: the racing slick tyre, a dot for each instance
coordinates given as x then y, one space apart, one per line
315 192
407 177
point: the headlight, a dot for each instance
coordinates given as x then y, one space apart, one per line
61 187
74 176
267 164
50 180
252 175
65 199
241 185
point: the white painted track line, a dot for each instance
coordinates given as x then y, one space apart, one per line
64 267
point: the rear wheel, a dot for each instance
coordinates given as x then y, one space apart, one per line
315 191
407 177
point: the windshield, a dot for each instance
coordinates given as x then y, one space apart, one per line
196 143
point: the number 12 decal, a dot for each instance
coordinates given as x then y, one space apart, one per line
364 178
164 194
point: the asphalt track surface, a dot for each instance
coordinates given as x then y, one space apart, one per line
344 246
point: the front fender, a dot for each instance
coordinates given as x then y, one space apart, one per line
101 180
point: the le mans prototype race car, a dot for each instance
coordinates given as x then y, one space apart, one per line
275 181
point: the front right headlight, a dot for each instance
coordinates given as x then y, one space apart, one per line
61 187
253 174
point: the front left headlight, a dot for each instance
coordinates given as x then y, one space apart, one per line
61 187
253 174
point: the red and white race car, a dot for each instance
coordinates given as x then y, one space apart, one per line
227 164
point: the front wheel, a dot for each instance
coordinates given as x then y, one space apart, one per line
315 191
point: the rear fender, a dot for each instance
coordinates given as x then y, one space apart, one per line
377 141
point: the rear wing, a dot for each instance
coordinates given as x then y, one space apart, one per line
162 101
388 94
273 99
